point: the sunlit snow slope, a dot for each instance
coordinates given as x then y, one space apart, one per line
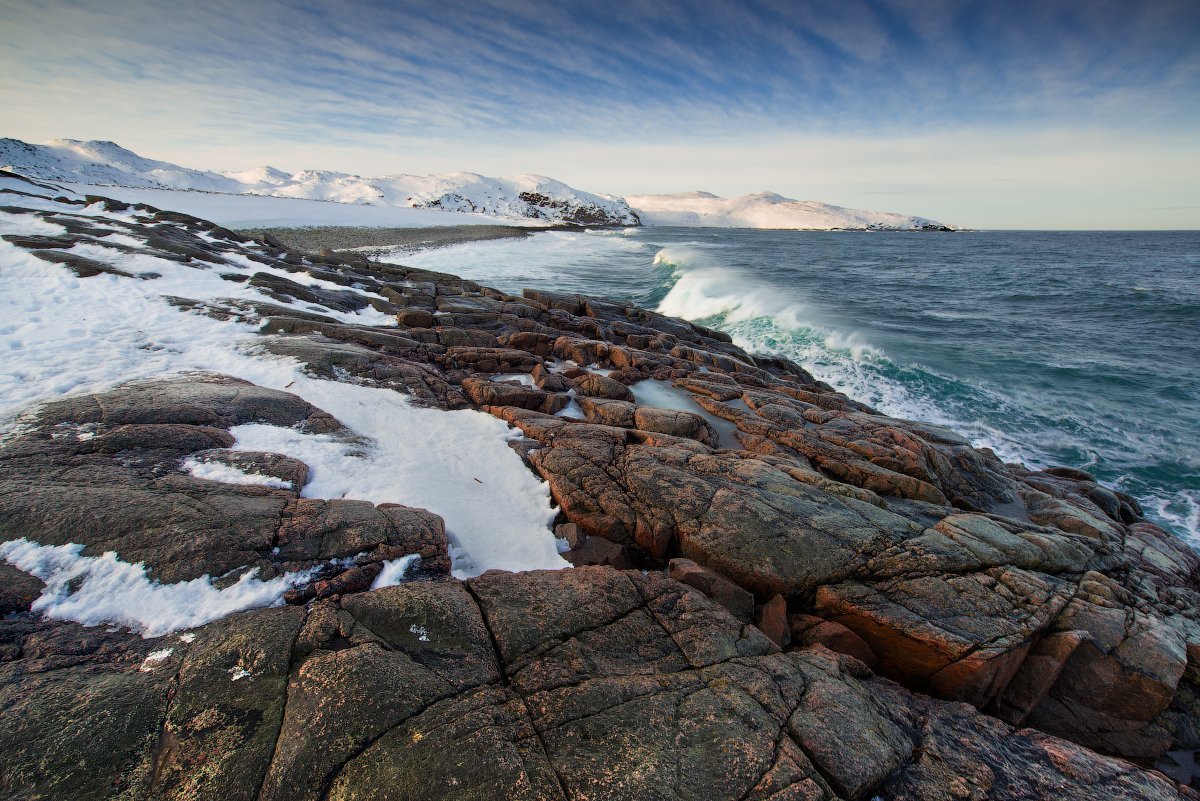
767 210
413 200
518 198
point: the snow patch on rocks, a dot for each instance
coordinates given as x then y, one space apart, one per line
65 335
228 474
93 590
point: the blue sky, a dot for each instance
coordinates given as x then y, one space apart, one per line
990 114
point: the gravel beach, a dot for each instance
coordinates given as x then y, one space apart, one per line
341 238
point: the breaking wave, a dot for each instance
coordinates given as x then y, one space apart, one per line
763 317
991 335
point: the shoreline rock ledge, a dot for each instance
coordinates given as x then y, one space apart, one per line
780 593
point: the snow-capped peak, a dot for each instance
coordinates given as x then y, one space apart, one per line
97 149
528 197
521 197
766 210
101 162
259 175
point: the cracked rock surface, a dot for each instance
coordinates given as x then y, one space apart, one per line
592 683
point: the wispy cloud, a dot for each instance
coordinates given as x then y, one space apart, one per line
545 67
387 86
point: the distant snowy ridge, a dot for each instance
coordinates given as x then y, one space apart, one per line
528 199
768 210
523 197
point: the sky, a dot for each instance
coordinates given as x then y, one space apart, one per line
1049 114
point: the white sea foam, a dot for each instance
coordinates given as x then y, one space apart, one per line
394 571
707 289
715 291
537 258
681 257
611 231
1181 512
763 319
93 590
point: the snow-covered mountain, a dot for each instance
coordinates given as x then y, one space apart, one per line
530 199
103 164
767 210
524 197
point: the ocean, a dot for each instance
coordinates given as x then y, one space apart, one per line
1051 348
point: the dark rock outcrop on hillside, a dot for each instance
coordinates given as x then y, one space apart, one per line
830 603
544 206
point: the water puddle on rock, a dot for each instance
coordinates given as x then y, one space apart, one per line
524 378
663 395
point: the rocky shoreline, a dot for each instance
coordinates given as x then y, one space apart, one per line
779 594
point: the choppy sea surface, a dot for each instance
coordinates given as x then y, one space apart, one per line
1052 348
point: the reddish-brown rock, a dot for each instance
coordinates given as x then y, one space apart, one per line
812 630
595 385
738 601
17 590
772 621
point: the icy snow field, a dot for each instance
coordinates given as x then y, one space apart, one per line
61 334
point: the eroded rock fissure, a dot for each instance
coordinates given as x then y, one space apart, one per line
293 666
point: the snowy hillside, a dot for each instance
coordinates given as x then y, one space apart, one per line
269 211
523 197
104 164
766 210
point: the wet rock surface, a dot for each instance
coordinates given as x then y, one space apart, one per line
855 605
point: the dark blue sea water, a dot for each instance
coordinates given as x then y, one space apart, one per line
1052 348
